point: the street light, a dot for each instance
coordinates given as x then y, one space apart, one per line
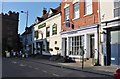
26 25
26 17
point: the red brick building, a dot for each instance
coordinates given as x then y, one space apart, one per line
82 20
80 29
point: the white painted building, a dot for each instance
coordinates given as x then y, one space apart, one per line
48 41
27 40
110 30
73 40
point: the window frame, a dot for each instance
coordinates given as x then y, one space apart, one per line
116 8
74 10
48 32
75 44
88 7
66 13
54 29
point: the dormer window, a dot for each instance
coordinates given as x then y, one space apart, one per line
50 13
36 21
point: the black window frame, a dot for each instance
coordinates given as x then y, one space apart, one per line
47 32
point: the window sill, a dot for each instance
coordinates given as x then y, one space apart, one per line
88 14
54 34
76 18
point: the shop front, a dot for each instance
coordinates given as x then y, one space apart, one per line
85 38
112 29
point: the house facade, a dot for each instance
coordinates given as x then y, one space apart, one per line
47 39
80 30
27 40
110 24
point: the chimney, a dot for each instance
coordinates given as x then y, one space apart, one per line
44 11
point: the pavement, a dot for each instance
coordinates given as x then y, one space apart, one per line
102 70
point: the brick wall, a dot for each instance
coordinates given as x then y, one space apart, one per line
83 21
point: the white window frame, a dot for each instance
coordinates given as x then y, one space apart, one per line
88 7
66 13
75 44
117 7
76 8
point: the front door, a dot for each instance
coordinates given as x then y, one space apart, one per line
115 47
39 47
92 47
64 47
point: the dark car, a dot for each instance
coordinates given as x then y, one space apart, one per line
117 74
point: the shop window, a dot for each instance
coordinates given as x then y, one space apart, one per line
75 44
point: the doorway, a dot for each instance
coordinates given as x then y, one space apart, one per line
115 44
39 47
92 45
64 47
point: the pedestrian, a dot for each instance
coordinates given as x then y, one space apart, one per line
14 53
20 53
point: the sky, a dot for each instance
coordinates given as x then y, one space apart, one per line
34 9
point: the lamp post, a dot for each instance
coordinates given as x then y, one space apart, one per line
26 26
26 17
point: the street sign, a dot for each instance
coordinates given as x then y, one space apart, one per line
81 51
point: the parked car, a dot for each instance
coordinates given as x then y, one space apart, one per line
117 74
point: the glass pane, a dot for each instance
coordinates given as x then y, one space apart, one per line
115 47
116 12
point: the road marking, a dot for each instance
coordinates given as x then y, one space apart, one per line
14 62
37 68
55 75
30 66
44 71
22 65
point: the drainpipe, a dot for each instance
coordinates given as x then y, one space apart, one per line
98 32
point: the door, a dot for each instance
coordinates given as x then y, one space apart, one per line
39 47
115 45
65 47
92 46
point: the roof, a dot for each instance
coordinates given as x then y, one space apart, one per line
28 30
54 12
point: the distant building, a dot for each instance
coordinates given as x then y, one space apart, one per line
47 39
27 40
10 31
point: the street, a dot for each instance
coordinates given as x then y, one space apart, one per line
16 67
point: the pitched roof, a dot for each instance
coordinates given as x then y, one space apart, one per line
54 12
